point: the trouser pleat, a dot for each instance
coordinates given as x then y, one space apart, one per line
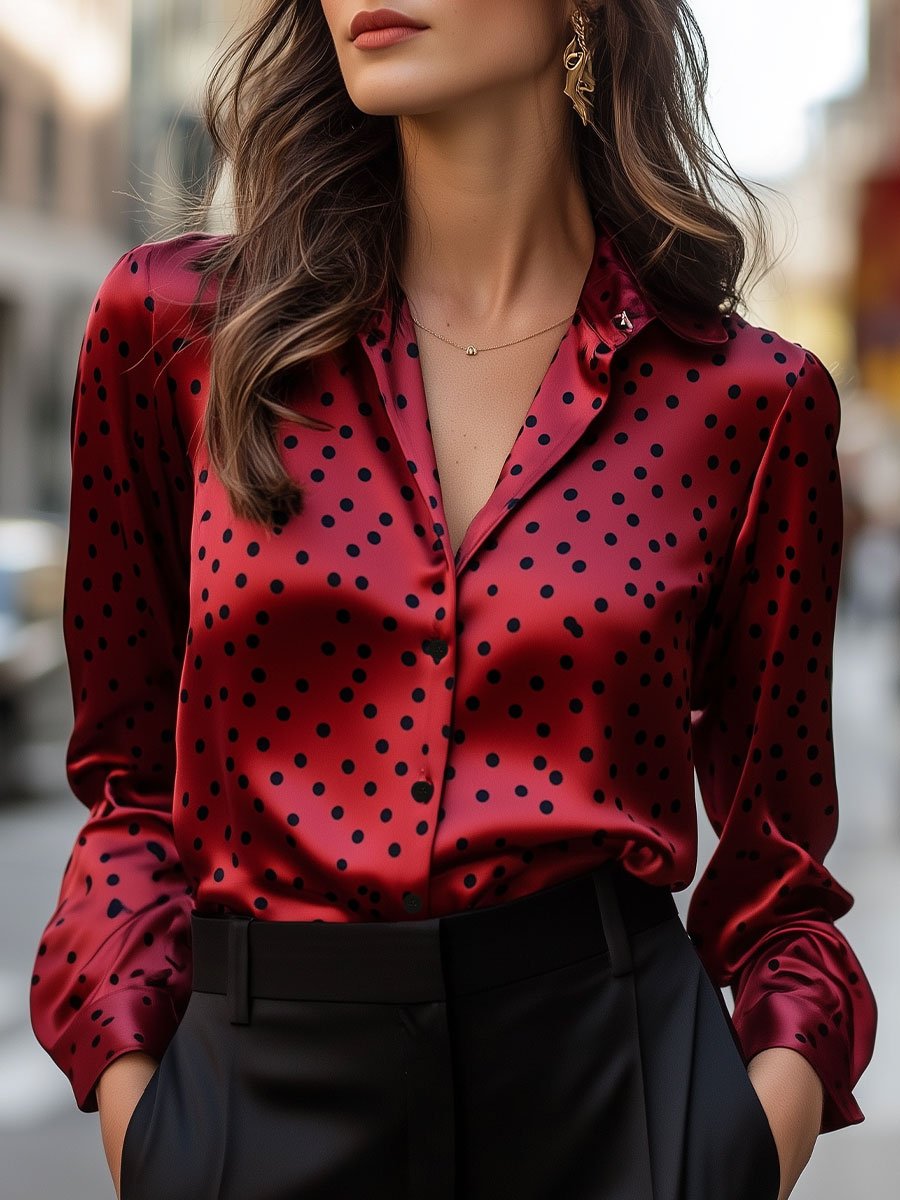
627 1160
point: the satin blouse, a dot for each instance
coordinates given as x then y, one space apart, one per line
342 720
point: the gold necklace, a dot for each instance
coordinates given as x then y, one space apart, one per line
472 350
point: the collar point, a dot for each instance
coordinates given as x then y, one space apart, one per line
710 330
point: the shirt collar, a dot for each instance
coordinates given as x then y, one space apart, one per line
575 389
611 288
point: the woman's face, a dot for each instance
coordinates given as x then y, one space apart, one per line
472 52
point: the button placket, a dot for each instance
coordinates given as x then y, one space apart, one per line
433 720
423 789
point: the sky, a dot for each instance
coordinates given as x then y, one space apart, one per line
770 62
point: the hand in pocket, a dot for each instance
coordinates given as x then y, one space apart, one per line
119 1090
791 1096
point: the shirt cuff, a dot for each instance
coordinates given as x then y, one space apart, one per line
767 1019
130 1018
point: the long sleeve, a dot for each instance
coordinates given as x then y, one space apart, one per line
762 915
113 969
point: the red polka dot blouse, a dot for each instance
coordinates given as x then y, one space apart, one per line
340 719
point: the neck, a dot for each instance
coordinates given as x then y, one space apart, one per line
499 230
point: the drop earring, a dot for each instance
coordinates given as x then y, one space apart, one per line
579 73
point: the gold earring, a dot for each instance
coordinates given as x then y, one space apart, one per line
579 74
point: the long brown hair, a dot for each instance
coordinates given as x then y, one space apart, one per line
317 196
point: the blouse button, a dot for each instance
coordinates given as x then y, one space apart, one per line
412 902
437 648
422 790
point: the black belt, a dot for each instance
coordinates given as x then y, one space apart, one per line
426 958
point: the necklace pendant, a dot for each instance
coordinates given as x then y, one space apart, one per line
623 321
471 350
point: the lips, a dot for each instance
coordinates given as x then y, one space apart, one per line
381 18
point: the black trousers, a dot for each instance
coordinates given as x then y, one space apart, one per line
567 1044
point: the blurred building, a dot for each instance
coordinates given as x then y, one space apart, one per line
63 113
174 45
875 292
839 290
100 141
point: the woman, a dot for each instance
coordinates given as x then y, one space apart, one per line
412 571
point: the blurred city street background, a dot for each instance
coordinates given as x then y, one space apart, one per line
100 143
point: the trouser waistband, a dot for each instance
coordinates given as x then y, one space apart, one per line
596 913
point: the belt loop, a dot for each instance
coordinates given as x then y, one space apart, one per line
238 980
611 914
